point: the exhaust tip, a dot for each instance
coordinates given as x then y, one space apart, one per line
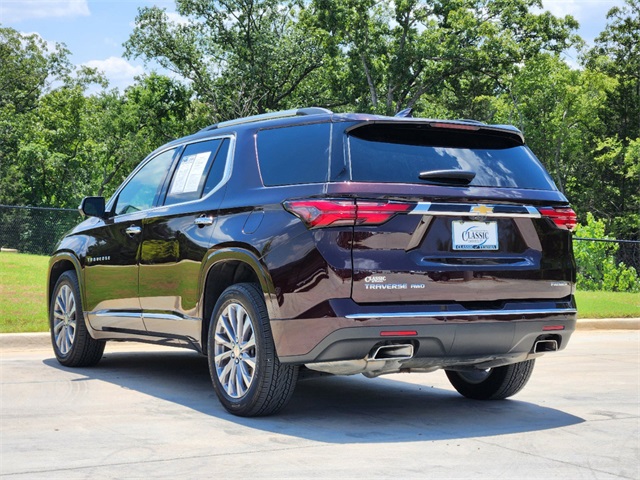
392 352
545 346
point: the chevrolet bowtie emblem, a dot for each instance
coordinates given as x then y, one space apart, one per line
481 209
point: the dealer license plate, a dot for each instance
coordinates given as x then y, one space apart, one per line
475 235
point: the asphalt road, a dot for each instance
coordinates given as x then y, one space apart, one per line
150 412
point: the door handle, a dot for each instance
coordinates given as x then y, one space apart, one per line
203 221
133 230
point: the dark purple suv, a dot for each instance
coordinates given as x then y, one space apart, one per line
306 241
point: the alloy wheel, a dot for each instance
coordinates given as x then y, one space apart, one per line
235 350
64 319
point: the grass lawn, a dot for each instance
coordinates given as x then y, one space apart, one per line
23 305
23 280
608 304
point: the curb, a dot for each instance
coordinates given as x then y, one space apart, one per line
609 324
13 341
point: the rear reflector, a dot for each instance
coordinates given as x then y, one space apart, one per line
550 328
398 333
334 213
563 217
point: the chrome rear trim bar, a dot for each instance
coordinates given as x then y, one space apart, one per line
463 314
475 210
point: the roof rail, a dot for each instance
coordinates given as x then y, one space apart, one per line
270 116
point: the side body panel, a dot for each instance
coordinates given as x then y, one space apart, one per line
110 273
172 252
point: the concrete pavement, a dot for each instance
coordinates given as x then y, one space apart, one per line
150 412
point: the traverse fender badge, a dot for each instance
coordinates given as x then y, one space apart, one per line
104 258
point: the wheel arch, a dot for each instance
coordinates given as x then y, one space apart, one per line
227 267
58 264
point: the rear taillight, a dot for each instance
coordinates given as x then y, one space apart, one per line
376 213
334 213
563 217
322 213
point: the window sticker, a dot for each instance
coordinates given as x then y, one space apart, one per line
197 168
189 173
181 175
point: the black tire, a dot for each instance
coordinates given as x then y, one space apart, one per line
71 341
493 384
247 376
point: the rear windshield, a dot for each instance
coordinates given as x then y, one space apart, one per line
399 153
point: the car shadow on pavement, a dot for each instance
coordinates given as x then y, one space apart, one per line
330 409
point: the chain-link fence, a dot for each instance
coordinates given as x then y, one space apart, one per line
35 229
628 250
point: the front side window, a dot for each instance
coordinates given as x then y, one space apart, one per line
143 189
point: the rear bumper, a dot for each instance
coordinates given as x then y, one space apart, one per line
446 336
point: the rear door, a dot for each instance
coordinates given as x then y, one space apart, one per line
478 217
175 239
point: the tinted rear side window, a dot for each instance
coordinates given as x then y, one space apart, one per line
398 154
294 155
199 170
216 173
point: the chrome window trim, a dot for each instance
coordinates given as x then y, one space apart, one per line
475 313
228 168
225 177
125 182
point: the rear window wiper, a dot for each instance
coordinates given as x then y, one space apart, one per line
448 177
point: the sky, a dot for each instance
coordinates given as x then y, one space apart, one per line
94 30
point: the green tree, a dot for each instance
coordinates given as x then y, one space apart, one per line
241 56
252 56
28 71
50 153
411 53
124 128
617 54
58 144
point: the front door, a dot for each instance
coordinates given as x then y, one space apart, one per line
112 270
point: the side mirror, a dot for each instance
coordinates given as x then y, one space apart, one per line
92 207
